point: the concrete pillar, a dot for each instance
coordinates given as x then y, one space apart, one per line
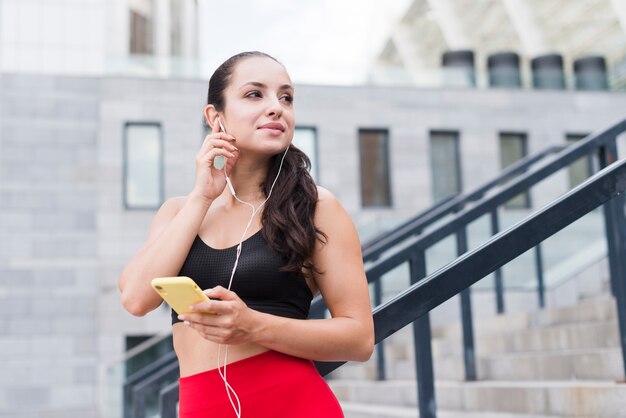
118 30
162 28
206 39
189 30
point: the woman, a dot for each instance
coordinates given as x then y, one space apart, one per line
299 242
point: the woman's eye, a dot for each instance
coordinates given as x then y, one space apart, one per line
254 94
287 97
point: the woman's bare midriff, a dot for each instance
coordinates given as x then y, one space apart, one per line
196 354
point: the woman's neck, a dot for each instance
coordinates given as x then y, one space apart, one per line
247 178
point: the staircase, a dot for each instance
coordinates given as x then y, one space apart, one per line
562 362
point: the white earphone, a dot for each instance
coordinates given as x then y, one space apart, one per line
220 162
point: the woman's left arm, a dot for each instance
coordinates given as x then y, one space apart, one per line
347 336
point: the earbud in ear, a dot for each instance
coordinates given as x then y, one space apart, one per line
220 161
219 122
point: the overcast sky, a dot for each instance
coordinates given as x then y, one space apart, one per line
319 41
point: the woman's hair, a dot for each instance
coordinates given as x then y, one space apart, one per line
288 215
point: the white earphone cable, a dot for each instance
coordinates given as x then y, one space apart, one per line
229 388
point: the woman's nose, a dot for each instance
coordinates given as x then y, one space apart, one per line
274 107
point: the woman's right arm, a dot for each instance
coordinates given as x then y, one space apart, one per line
171 235
175 227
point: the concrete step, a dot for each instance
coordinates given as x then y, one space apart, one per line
576 336
587 350
600 308
592 325
362 410
559 398
592 364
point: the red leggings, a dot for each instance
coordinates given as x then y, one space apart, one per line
269 385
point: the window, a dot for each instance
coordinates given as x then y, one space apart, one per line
140 34
513 148
143 166
445 164
580 169
374 161
306 140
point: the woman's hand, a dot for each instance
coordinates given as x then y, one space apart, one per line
210 182
225 321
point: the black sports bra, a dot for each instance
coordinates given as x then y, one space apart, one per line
258 280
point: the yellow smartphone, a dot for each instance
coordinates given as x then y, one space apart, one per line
179 292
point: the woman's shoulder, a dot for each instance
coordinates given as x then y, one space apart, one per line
325 197
324 194
174 203
328 206
170 207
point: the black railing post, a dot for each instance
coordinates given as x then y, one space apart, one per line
607 156
469 355
168 398
422 347
495 228
380 347
541 288
615 225
151 384
141 375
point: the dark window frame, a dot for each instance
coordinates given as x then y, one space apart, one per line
387 160
141 34
456 134
314 164
592 166
524 140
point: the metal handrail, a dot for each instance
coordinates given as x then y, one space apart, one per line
422 297
140 376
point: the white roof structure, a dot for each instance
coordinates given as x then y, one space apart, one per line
572 28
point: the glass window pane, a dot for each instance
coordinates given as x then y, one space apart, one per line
445 164
305 139
512 149
375 187
581 169
140 33
143 155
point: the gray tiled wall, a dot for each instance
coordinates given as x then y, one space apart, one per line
48 246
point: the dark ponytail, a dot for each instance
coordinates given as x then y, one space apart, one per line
288 216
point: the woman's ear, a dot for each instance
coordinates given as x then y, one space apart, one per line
210 116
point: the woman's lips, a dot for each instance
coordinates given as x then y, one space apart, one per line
273 127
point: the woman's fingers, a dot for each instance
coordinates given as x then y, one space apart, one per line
221 319
220 333
210 155
221 140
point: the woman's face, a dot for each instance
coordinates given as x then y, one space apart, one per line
258 108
